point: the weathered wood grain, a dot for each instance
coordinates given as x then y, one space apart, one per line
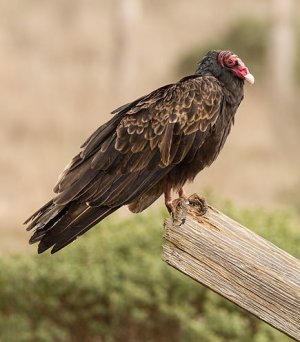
238 264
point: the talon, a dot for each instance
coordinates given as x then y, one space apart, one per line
180 211
199 204
170 207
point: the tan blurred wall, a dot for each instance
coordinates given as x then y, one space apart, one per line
57 85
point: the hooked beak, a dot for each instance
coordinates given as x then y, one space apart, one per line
249 78
242 72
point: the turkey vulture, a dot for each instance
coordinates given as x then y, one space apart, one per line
150 146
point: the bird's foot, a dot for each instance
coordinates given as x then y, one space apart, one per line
179 206
199 204
170 207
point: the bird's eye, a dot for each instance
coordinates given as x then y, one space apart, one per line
230 62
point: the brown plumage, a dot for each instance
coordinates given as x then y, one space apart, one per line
152 145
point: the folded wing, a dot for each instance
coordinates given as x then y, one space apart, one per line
126 158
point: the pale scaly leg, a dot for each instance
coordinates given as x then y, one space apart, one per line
182 193
168 199
169 202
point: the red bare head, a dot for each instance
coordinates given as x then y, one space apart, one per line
229 60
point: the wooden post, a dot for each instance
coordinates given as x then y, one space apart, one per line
238 264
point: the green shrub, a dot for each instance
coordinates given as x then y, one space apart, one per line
112 285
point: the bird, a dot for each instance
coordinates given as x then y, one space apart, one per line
150 147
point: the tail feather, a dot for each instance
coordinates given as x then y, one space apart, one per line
38 213
57 223
60 229
77 221
85 223
46 218
62 220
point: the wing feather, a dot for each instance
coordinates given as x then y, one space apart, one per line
124 159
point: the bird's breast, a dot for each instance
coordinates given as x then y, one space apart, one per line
205 155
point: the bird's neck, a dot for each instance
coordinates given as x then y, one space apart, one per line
234 86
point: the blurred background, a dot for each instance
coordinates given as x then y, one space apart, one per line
65 65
